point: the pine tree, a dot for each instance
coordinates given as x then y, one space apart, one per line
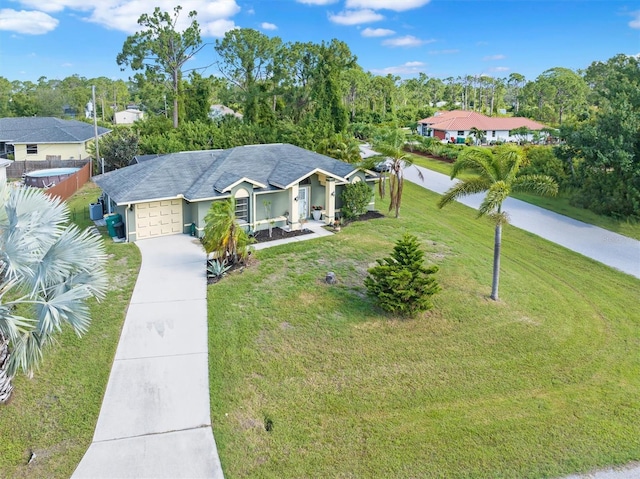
402 283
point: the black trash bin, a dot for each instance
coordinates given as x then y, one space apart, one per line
119 228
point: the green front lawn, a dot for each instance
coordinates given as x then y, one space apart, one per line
543 383
559 204
54 414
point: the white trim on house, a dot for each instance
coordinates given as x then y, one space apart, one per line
243 180
167 198
317 170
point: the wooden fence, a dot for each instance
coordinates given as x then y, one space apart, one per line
18 168
72 184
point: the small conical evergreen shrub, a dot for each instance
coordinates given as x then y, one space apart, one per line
401 283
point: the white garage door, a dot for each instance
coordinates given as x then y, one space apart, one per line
158 218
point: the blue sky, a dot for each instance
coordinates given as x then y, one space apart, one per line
442 38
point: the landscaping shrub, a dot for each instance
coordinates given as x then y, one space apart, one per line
541 160
401 283
355 199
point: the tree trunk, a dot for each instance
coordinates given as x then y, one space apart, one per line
496 262
175 98
5 380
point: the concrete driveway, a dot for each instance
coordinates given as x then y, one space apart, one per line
155 416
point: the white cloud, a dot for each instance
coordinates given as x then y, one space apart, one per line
214 16
67 65
395 5
406 41
268 26
355 17
377 32
317 2
635 23
409 68
26 22
443 52
494 57
54 6
499 69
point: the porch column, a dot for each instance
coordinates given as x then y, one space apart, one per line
330 201
294 216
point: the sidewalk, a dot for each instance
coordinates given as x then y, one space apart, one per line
316 226
155 416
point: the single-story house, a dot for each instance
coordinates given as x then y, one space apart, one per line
41 138
274 184
128 116
451 125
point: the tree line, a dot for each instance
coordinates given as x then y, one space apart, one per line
318 97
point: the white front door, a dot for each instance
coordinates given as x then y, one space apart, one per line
303 202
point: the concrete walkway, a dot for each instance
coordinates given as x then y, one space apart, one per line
317 228
155 417
609 248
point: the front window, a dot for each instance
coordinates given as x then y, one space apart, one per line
460 133
242 209
32 149
493 133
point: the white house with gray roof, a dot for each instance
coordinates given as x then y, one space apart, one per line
277 184
43 138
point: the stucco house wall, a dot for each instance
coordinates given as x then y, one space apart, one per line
66 151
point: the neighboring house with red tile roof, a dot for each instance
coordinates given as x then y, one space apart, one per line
458 124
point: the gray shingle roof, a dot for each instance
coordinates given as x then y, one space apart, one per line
199 175
46 130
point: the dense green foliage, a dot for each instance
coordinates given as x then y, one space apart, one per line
355 199
607 144
119 147
401 283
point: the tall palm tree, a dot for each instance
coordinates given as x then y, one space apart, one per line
223 235
48 269
391 144
497 175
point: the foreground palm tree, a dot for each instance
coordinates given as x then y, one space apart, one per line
223 236
497 175
48 269
391 144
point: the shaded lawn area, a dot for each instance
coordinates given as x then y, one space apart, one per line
543 383
559 204
55 413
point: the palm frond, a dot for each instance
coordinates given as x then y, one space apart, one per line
510 158
496 194
539 184
29 223
74 252
464 188
474 160
51 270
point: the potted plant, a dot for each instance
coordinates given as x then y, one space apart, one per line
316 212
